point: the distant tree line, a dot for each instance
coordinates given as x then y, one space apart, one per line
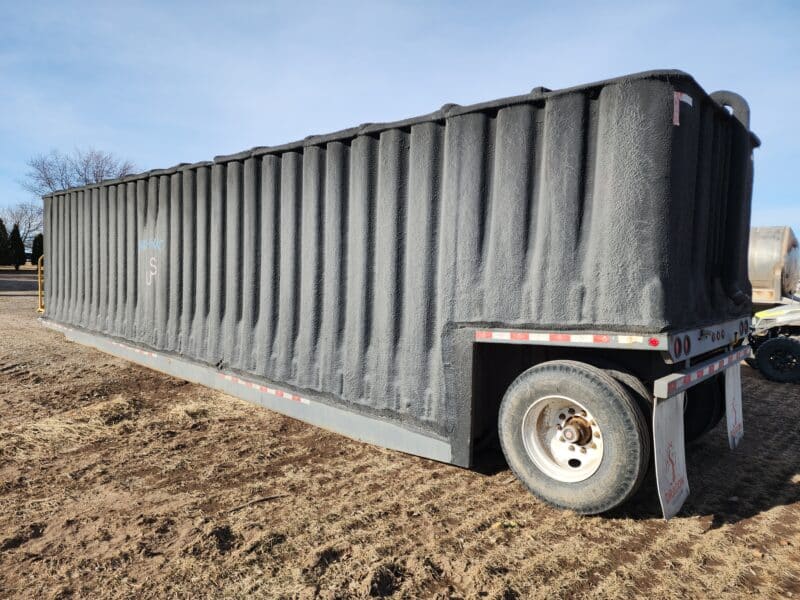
12 248
28 217
50 173
56 171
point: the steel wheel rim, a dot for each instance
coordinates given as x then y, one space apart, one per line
547 426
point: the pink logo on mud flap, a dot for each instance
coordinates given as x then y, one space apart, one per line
736 429
675 483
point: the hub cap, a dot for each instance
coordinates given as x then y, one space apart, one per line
562 438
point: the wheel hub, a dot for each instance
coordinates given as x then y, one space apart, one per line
577 430
562 438
783 361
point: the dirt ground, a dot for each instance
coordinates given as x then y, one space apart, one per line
119 482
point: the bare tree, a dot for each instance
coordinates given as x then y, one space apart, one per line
28 216
93 166
58 171
48 173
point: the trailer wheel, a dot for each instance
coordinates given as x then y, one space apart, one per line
634 386
704 409
574 436
778 359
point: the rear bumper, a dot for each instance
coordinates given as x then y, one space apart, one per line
680 381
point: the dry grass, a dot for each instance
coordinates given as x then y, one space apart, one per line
119 482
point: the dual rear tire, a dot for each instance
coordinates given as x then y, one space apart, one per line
575 435
704 409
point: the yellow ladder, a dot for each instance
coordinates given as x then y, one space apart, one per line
40 273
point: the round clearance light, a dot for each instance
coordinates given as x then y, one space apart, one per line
653 342
677 347
687 344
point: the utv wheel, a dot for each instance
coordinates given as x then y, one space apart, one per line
778 359
704 408
574 436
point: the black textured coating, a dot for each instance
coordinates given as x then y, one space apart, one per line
337 264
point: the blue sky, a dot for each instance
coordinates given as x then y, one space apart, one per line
162 83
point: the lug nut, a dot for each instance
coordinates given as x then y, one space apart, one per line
558 427
583 413
571 448
583 450
597 434
571 411
593 446
561 416
561 439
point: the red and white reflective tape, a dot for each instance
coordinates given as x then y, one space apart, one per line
265 389
566 338
677 98
136 350
117 344
691 377
56 326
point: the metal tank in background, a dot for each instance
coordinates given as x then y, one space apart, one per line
774 265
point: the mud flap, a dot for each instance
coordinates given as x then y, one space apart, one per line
668 439
733 405
670 455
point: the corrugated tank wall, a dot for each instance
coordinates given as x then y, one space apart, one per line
335 264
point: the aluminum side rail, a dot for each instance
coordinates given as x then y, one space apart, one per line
676 346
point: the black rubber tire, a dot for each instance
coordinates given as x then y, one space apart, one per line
637 388
644 399
774 351
626 435
631 382
705 407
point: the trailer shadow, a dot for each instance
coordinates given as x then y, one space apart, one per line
726 486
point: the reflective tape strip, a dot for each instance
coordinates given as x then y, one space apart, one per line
135 350
539 337
52 325
565 338
693 377
584 339
266 390
560 337
226 376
